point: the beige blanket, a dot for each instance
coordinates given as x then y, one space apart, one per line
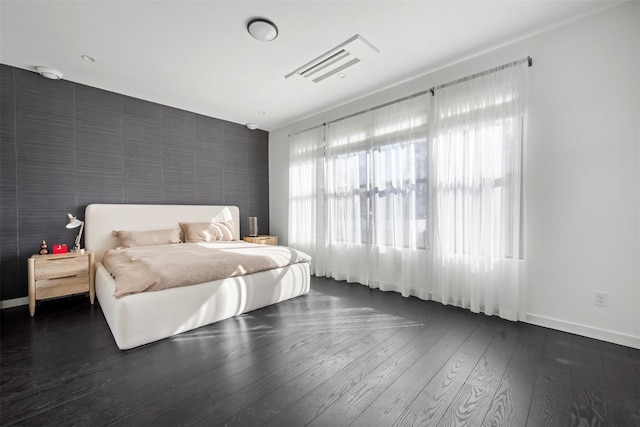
152 268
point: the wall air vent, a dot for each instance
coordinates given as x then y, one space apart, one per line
336 60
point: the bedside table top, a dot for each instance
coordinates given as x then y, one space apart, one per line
66 255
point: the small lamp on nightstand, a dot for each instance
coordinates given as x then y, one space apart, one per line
73 222
253 226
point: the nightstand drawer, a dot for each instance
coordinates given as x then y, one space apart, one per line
262 240
50 288
265 241
63 267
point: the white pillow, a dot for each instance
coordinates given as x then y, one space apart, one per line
207 231
131 239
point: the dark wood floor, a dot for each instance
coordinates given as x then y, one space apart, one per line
342 355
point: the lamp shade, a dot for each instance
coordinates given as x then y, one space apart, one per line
253 226
73 222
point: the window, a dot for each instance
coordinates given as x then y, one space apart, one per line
420 196
376 182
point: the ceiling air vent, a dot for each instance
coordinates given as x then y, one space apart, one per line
336 60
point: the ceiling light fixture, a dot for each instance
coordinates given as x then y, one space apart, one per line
49 73
88 58
262 29
252 126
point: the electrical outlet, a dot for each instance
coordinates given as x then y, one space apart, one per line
601 299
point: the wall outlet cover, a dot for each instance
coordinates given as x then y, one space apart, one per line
601 299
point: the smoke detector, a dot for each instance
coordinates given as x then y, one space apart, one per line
49 73
335 61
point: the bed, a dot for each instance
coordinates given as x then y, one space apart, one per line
145 317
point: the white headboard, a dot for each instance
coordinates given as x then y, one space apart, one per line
101 220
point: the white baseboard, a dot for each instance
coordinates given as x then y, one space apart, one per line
16 302
586 331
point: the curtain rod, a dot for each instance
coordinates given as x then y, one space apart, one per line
431 90
528 60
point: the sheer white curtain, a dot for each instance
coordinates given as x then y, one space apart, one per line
421 196
306 195
476 186
347 193
376 196
399 195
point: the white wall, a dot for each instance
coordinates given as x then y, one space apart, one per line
582 162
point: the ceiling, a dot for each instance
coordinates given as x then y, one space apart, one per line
198 56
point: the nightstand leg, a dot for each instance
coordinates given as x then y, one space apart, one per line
92 278
32 286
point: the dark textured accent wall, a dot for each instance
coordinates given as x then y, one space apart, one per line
65 145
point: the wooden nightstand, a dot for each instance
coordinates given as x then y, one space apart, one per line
59 275
262 240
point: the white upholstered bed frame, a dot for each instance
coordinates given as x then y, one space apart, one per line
150 316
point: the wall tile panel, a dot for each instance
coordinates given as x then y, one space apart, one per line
178 156
8 183
142 146
209 149
99 146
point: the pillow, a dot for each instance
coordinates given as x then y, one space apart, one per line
207 231
130 239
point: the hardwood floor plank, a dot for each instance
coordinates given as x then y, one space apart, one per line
511 403
589 391
635 356
551 403
623 383
312 376
472 402
433 400
393 401
309 406
348 407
